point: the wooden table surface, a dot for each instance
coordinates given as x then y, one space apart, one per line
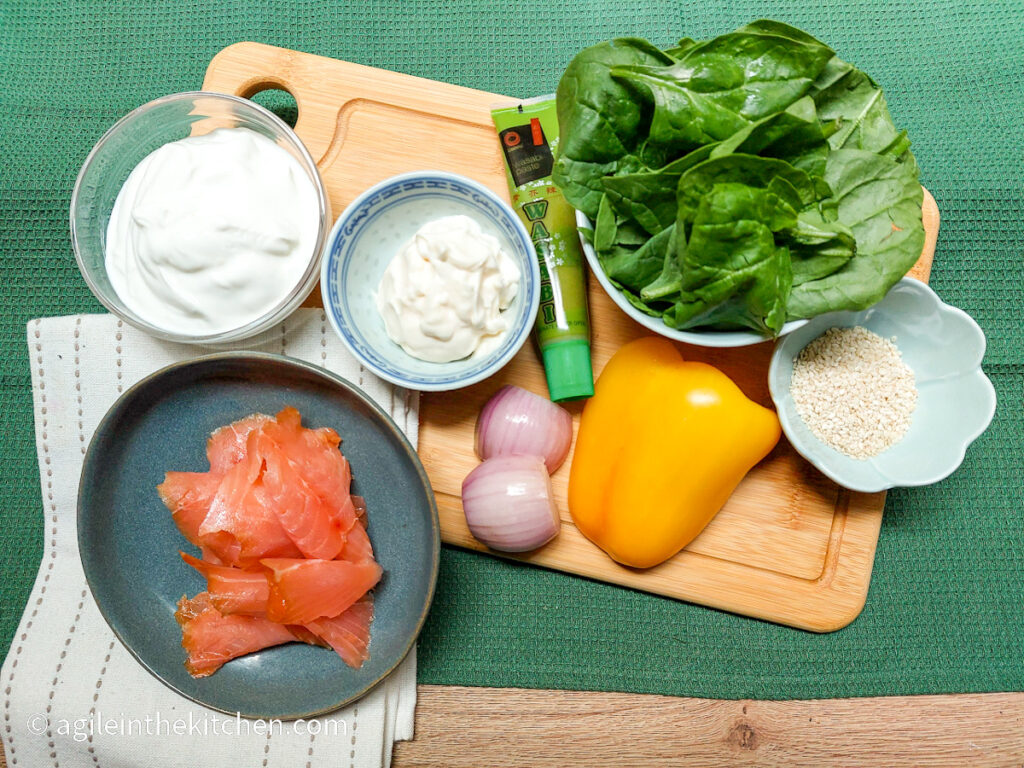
496 727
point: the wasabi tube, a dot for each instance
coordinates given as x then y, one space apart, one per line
528 133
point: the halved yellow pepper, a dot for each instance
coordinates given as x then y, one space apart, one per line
661 446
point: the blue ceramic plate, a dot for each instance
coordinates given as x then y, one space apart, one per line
129 544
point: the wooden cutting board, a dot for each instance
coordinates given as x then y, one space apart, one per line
790 546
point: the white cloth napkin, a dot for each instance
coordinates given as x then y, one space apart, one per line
73 696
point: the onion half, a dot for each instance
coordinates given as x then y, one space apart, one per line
517 422
509 505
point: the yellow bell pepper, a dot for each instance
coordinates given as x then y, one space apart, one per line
661 446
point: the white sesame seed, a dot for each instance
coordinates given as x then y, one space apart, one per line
852 388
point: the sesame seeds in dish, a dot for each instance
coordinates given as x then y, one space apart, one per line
854 391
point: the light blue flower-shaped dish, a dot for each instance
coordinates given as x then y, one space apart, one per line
367 236
943 347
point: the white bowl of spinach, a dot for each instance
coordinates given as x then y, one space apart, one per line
729 189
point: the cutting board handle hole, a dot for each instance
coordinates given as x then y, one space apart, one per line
279 101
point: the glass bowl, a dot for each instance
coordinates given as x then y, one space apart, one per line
127 143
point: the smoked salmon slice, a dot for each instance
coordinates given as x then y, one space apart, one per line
360 505
188 495
357 546
313 524
314 452
349 633
211 639
226 446
307 636
233 590
304 590
208 556
284 545
241 527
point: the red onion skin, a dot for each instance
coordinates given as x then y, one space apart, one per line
509 503
517 422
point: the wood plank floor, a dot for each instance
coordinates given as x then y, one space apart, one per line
475 727
510 727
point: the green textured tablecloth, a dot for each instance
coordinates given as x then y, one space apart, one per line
946 608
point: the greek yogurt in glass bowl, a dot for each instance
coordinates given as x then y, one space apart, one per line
200 218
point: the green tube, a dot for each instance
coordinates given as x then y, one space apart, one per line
528 133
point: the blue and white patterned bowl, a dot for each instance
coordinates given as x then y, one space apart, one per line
955 400
366 237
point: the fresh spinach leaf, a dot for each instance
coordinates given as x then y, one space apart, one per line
605 228
670 280
845 94
628 232
731 253
778 28
652 308
600 118
790 184
879 200
678 50
649 197
818 247
795 135
580 182
636 268
720 86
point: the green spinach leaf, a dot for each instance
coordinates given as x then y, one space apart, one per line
666 286
879 200
790 184
628 232
818 247
845 94
600 119
795 135
605 228
678 50
720 86
731 253
649 197
637 268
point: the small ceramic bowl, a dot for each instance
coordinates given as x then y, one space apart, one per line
708 338
943 347
130 140
367 236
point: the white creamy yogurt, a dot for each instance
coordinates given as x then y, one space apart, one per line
211 232
442 295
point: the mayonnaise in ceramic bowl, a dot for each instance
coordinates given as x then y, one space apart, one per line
200 218
379 225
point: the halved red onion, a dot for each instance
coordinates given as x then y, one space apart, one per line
509 504
517 422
